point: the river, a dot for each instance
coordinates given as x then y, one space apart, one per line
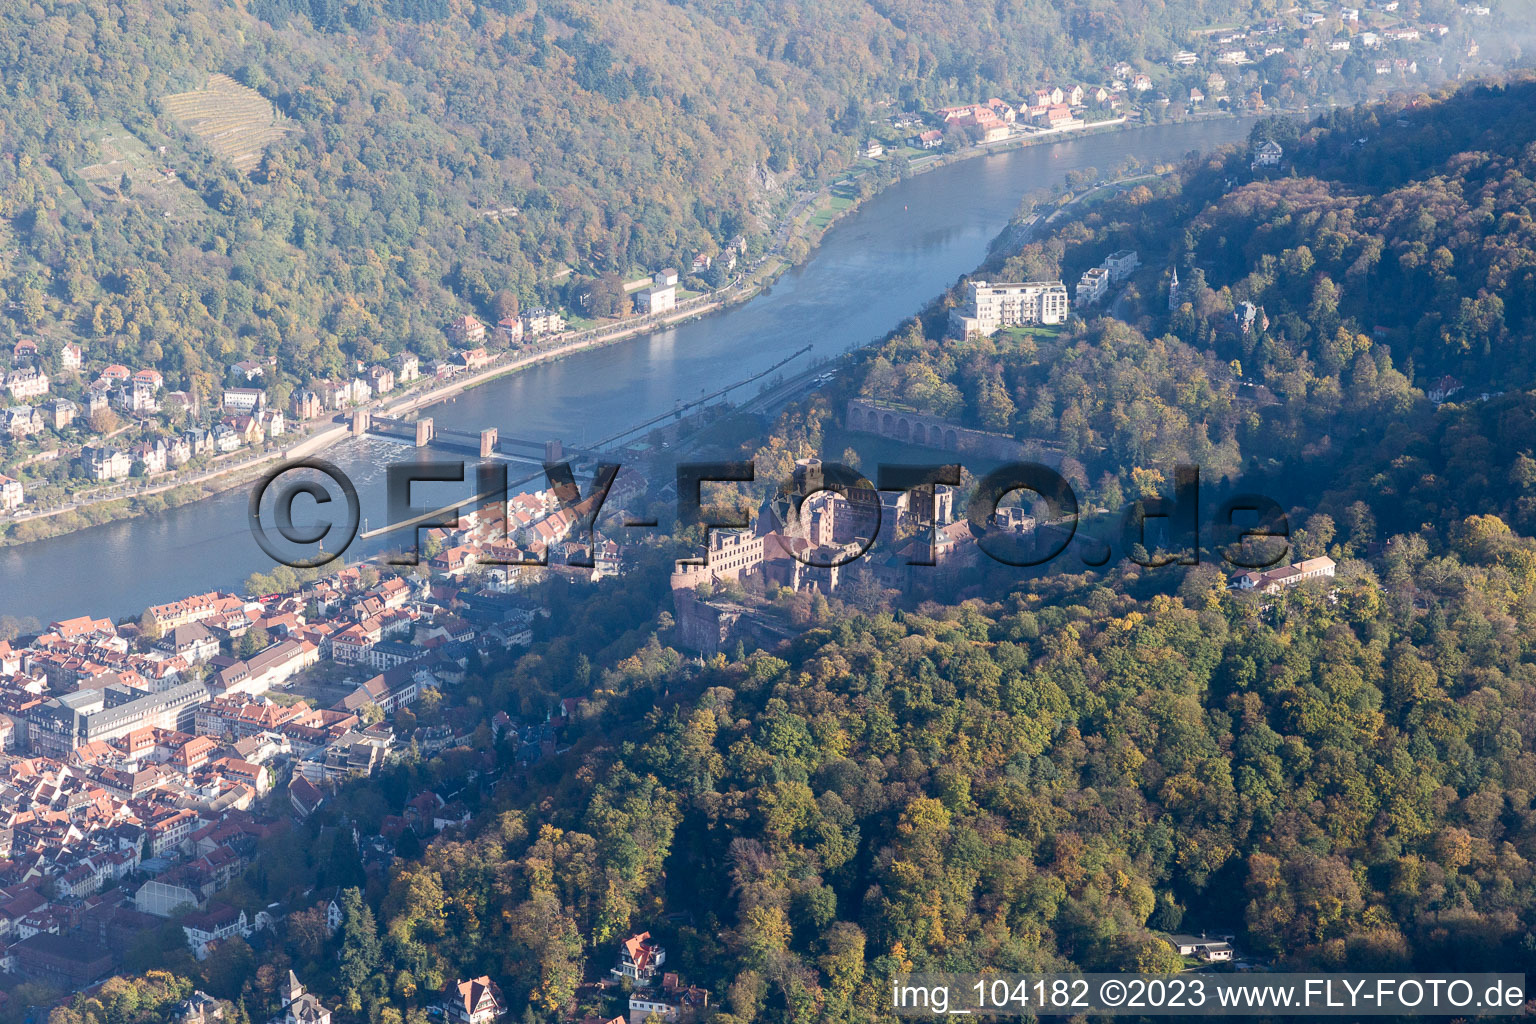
874 268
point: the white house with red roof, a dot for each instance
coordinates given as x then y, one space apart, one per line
640 959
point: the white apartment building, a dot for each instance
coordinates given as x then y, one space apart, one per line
244 399
542 321
994 306
1121 264
1092 287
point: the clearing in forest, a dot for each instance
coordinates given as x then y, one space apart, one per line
236 121
117 152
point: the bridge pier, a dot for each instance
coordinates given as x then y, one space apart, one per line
361 422
554 451
487 442
424 432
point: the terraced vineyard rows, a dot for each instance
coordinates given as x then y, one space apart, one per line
236 121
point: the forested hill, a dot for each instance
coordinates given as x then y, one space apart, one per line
1048 773
400 162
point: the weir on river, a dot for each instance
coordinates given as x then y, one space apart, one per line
876 267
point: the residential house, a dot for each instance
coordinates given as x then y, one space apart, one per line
206 927
20 421
299 1006
249 370
509 330
407 367
1269 154
333 395
180 403
226 438
151 455
1057 115
70 357
1209 950
58 413
103 463
96 399
200 441
640 960
467 330
1443 389
11 493
381 379
27 382
304 797
139 396
674 1003
476 1001
199 1008
306 405
249 429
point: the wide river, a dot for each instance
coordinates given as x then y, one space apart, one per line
876 267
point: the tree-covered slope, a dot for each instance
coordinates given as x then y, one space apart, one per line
443 157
